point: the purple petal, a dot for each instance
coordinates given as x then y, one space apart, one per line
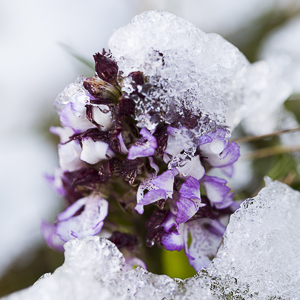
190 188
186 209
204 140
148 136
52 239
140 151
228 201
71 210
170 222
206 236
89 222
73 115
229 156
219 152
215 188
144 148
153 196
228 170
173 241
124 149
56 181
165 181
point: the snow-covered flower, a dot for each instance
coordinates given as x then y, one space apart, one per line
133 136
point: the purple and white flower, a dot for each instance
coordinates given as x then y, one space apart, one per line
144 146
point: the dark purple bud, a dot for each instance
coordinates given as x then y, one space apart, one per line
130 169
137 78
122 240
125 107
106 68
87 178
71 193
190 121
109 168
161 136
154 228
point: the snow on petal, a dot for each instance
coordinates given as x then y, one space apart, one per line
93 152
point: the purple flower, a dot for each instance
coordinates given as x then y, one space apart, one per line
189 201
160 187
206 235
73 115
143 147
89 222
70 224
215 147
217 191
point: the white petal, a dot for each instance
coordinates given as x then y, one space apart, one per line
93 152
102 116
69 156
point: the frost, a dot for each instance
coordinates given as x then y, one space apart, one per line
186 68
259 259
260 255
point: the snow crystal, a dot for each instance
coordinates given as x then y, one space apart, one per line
260 255
94 269
259 259
186 68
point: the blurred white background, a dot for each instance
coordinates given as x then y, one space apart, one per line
35 68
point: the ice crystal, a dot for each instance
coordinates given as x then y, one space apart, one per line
259 259
186 69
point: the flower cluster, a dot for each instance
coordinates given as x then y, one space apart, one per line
114 146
